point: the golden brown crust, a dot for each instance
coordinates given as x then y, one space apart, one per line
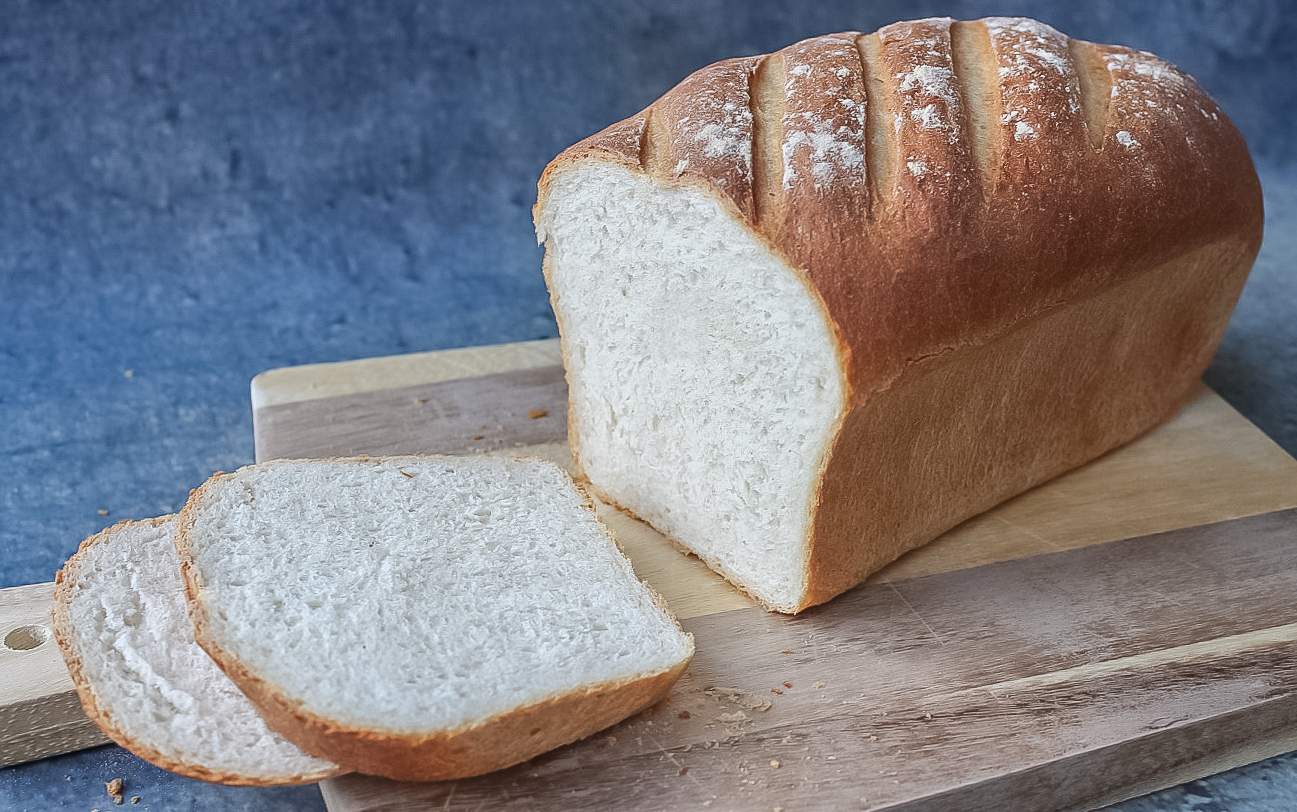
496 743
101 714
491 744
936 260
948 186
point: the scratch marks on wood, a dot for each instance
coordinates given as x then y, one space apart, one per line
908 605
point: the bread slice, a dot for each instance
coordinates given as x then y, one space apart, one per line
122 622
819 306
423 617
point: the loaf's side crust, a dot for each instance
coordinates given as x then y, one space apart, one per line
901 481
101 714
491 744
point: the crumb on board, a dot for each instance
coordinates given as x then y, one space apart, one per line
478 436
420 401
114 789
788 685
135 799
102 512
536 414
786 651
684 714
774 762
683 770
776 691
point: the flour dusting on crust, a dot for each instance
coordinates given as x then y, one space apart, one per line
824 118
1032 57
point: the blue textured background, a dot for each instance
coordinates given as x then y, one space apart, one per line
192 193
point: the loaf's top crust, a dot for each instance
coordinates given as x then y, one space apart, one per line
940 182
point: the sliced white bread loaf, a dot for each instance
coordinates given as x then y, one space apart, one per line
122 622
821 305
423 617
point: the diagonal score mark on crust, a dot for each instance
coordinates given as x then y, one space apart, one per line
880 145
974 63
653 144
766 102
1096 88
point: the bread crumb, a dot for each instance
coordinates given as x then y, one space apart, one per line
788 685
774 762
873 738
420 401
817 685
102 512
135 799
776 691
683 714
536 414
683 770
130 373
114 788
478 436
786 651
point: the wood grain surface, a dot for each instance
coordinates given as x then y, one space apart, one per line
40 714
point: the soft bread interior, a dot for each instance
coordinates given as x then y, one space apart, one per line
414 596
705 380
153 689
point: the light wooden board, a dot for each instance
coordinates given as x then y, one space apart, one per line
1123 628
40 714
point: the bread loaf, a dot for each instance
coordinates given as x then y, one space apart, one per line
423 618
819 306
122 623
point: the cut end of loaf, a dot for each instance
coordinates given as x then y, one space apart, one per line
408 616
706 382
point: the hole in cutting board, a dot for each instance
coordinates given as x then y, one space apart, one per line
26 638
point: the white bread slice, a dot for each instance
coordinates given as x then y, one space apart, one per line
423 618
122 622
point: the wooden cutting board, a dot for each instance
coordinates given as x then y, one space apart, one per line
1126 627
